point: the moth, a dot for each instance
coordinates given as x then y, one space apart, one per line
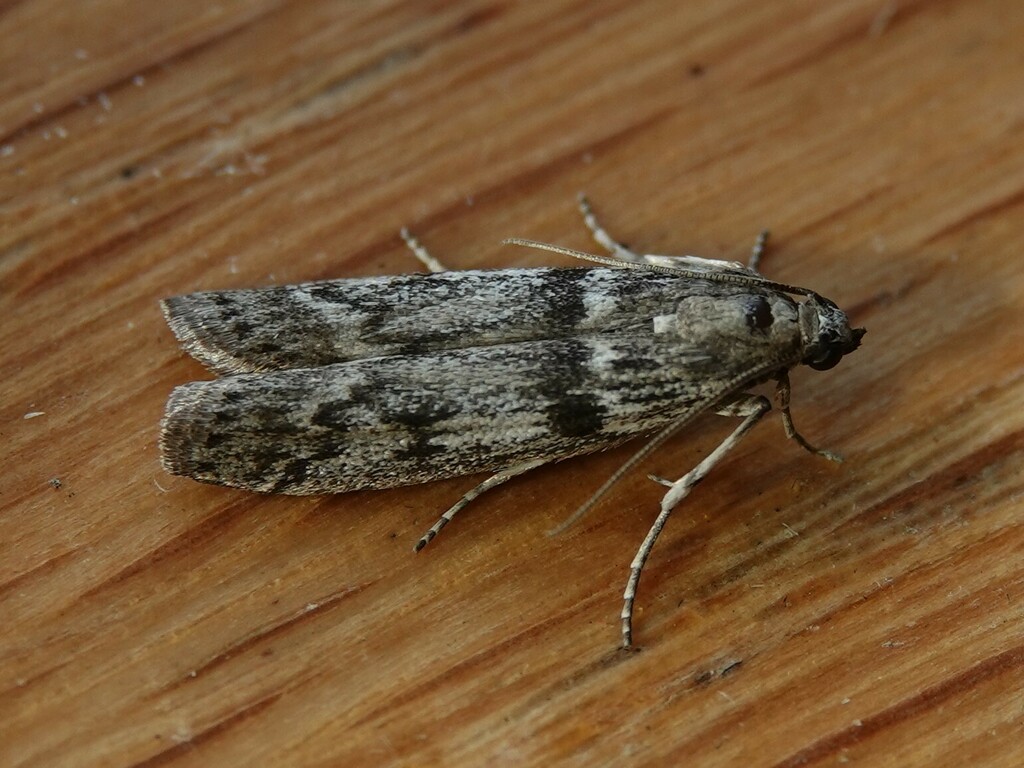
377 382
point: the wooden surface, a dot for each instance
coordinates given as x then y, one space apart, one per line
793 613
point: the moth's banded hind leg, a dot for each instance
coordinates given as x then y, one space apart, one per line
421 253
752 408
754 262
606 241
493 481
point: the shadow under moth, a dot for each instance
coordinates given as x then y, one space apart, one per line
380 382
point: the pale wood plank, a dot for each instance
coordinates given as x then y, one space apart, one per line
158 148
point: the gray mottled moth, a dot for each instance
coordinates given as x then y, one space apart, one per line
380 382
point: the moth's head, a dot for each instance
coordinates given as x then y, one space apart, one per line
826 332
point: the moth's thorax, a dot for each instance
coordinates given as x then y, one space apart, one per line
739 321
826 334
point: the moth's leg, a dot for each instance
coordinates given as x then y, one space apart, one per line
491 482
623 253
739 408
754 262
617 249
752 408
782 392
699 263
716 265
421 253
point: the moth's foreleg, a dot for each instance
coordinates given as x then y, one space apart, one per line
493 481
752 408
782 392
421 253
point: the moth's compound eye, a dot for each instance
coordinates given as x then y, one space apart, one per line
828 359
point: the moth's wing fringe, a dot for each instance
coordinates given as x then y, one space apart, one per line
179 433
191 320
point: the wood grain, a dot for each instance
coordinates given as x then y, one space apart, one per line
794 613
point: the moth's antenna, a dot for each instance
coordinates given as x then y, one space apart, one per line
693 274
581 255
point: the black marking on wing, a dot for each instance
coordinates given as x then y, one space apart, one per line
565 291
758 313
574 410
